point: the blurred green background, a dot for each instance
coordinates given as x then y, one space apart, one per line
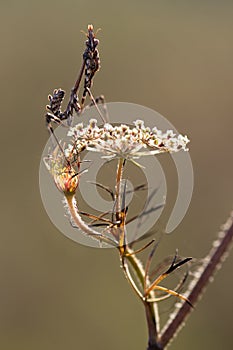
173 56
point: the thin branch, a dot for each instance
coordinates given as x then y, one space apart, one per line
151 309
211 263
147 268
73 210
129 277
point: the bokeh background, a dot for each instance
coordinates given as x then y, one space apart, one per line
172 56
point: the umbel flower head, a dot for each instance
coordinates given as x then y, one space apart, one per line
123 141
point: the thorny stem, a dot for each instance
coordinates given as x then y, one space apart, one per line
211 263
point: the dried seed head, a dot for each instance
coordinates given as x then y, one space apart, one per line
123 141
64 174
67 181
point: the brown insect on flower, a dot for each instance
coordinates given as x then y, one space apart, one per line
92 61
90 65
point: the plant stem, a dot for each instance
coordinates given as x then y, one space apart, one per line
72 205
118 184
127 253
151 309
212 261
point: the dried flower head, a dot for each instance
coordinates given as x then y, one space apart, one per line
64 174
123 141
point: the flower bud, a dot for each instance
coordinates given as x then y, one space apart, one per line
67 180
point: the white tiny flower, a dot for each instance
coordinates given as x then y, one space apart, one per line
123 141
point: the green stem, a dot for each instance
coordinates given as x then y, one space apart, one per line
151 309
118 184
127 253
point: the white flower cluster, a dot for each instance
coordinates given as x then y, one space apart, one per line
123 141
